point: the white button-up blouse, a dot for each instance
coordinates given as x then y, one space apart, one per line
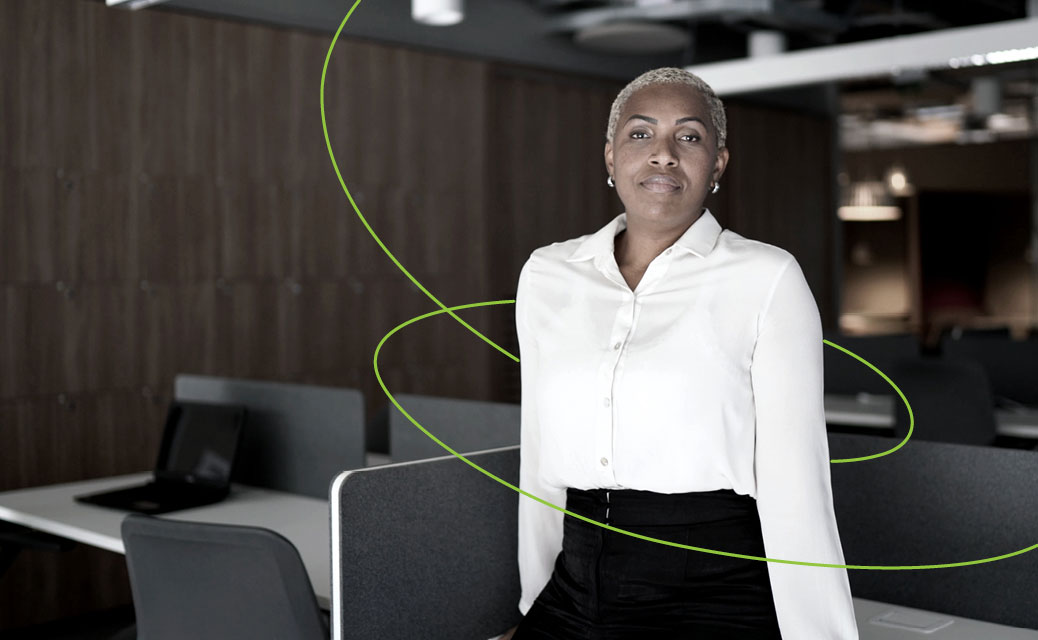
707 376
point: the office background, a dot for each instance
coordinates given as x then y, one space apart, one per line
167 205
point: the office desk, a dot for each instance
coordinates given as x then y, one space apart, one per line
867 410
301 519
881 621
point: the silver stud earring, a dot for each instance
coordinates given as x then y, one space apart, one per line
716 187
609 181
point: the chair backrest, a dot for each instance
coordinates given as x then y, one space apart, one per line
426 549
937 503
220 582
951 400
298 437
464 425
845 375
1011 365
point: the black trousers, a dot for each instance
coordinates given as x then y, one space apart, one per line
611 586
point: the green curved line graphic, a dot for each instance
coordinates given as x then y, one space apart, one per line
616 529
911 415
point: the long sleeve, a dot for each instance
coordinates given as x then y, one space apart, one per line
540 526
791 465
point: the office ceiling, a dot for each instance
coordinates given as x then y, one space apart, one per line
615 38
576 35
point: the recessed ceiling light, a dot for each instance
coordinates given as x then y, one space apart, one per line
631 37
437 13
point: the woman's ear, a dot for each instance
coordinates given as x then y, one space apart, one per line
720 163
609 158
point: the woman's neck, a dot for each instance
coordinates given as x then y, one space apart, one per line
635 247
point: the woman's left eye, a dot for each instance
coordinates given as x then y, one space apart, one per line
695 136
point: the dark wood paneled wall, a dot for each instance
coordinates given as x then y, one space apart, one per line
779 189
546 144
167 205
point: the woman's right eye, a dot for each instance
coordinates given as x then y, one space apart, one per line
635 134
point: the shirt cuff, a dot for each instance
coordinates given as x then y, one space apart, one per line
524 606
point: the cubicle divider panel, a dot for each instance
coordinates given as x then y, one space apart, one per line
935 503
426 549
463 425
1011 365
297 438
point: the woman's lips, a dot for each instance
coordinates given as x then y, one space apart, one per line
661 184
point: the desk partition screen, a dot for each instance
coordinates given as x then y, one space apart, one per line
463 425
426 549
937 503
297 437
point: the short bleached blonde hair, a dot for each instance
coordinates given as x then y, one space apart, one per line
671 75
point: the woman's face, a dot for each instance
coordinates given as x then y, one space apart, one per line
664 155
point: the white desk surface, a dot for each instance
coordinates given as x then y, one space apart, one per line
899 623
867 410
301 519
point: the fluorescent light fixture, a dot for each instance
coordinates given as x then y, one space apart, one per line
869 214
995 43
132 4
868 201
995 57
438 13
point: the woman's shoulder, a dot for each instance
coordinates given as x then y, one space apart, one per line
754 253
557 251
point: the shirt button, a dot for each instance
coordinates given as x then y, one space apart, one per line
605 462
605 402
616 346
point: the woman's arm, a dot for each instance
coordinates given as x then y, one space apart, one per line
540 526
791 463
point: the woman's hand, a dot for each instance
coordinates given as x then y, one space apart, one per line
508 634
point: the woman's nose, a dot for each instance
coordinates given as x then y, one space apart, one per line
663 155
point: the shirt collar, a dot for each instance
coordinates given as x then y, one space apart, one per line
699 239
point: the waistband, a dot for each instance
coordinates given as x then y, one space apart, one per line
634 507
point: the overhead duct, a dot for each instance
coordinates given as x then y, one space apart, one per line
1000 42
766 43
986 96
777 13
132 4
633 38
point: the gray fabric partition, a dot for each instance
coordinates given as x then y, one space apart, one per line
426 549
936 503
463 425
297 437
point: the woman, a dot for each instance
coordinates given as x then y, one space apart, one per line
672 387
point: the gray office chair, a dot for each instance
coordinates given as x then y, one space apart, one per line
298 436
463 425
202 581
951 400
